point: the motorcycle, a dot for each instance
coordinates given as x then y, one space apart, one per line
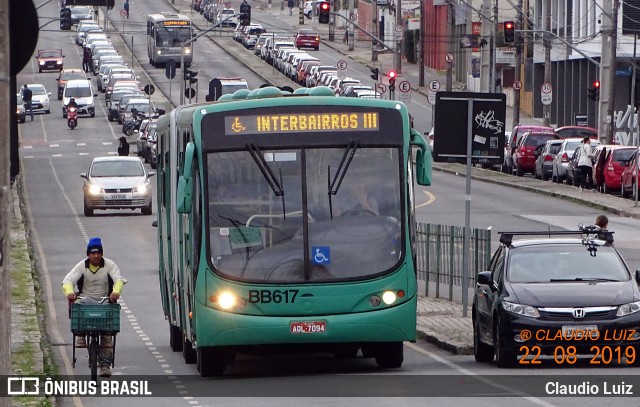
72 117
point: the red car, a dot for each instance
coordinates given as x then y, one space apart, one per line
576 131
524 158
609 165
516 135
307 39
629 176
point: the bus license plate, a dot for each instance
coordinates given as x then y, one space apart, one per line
308 327
113 197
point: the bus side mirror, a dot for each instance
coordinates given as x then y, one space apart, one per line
185 182
424 160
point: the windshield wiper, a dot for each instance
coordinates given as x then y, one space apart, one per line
269 176
334 184
555 280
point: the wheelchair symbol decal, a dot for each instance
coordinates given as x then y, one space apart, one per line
237 126
320 255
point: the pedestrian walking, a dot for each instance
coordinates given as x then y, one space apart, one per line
290 4
585 163
126 7
345 39
27 97
86 59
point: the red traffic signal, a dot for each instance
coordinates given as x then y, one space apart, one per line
392 74
508 25
324 6
596 84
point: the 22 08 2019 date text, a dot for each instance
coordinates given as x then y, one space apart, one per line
568 355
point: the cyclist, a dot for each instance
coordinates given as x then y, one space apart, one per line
93 278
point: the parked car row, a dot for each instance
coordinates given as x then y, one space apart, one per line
553 154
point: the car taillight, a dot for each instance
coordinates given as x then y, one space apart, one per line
548 157
610 168
565 158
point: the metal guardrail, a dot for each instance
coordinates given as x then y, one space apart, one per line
439 252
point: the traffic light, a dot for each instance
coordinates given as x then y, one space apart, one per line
65 19
190 76
509 32
375 74
245 14
323 12
392 80
594 92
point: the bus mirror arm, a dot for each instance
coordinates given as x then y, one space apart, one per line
424 160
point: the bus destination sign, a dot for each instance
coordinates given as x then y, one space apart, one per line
301 123
174 23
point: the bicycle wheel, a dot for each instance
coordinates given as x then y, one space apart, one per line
93 358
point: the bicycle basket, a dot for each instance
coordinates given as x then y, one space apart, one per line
95 318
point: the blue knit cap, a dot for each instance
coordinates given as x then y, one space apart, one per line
94 245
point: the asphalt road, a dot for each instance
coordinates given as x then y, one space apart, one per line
52 157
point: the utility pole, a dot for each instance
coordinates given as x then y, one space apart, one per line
398 55
374 43
451 48
546 109
517 78
300 12
611 77
421 46
350 27
486 33
494 49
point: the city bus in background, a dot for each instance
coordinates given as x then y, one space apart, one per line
261 248
166 32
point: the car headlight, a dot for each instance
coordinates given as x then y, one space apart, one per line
524 310
59 62
95 189
141 189
627 309
187 51
41 62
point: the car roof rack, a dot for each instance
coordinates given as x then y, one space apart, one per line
588 231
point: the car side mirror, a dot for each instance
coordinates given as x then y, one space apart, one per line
484 278
84 175
95 95
160 111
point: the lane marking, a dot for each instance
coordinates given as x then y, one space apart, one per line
430 199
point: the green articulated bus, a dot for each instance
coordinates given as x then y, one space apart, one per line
286 223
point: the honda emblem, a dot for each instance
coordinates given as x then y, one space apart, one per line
578 313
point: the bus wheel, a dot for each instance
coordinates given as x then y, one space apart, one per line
346 351
212 361
175 338
190 356
389 354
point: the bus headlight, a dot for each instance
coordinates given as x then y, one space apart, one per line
187 51
389 297
227 300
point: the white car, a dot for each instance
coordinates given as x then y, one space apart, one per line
308 8
117 183
39 98
227 13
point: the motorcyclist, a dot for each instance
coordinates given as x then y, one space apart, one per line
72 103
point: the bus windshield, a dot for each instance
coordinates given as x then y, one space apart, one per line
172 36
258 200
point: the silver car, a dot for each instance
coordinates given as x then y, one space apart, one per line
562 158
117 183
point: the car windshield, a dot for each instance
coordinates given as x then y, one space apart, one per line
140 107
572 145
551 263
81 10
537 139
38 89
78 92
623 154
66 76
555 148
117 169
50 54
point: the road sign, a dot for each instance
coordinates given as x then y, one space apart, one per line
405 97
189 93
434 86
149 89
353 17
517 85
431 98
398 28
170 68
448 58
546 93
382 88
404 86
341 65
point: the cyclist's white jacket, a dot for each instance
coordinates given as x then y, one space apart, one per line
105 280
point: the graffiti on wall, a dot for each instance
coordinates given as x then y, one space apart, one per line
626 127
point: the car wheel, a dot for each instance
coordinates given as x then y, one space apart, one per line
519 172
87 211
504 357
481 351
48 111
93 115
39 70
147 209
23 120
317 48
545 177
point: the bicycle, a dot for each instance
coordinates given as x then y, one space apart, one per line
91 321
